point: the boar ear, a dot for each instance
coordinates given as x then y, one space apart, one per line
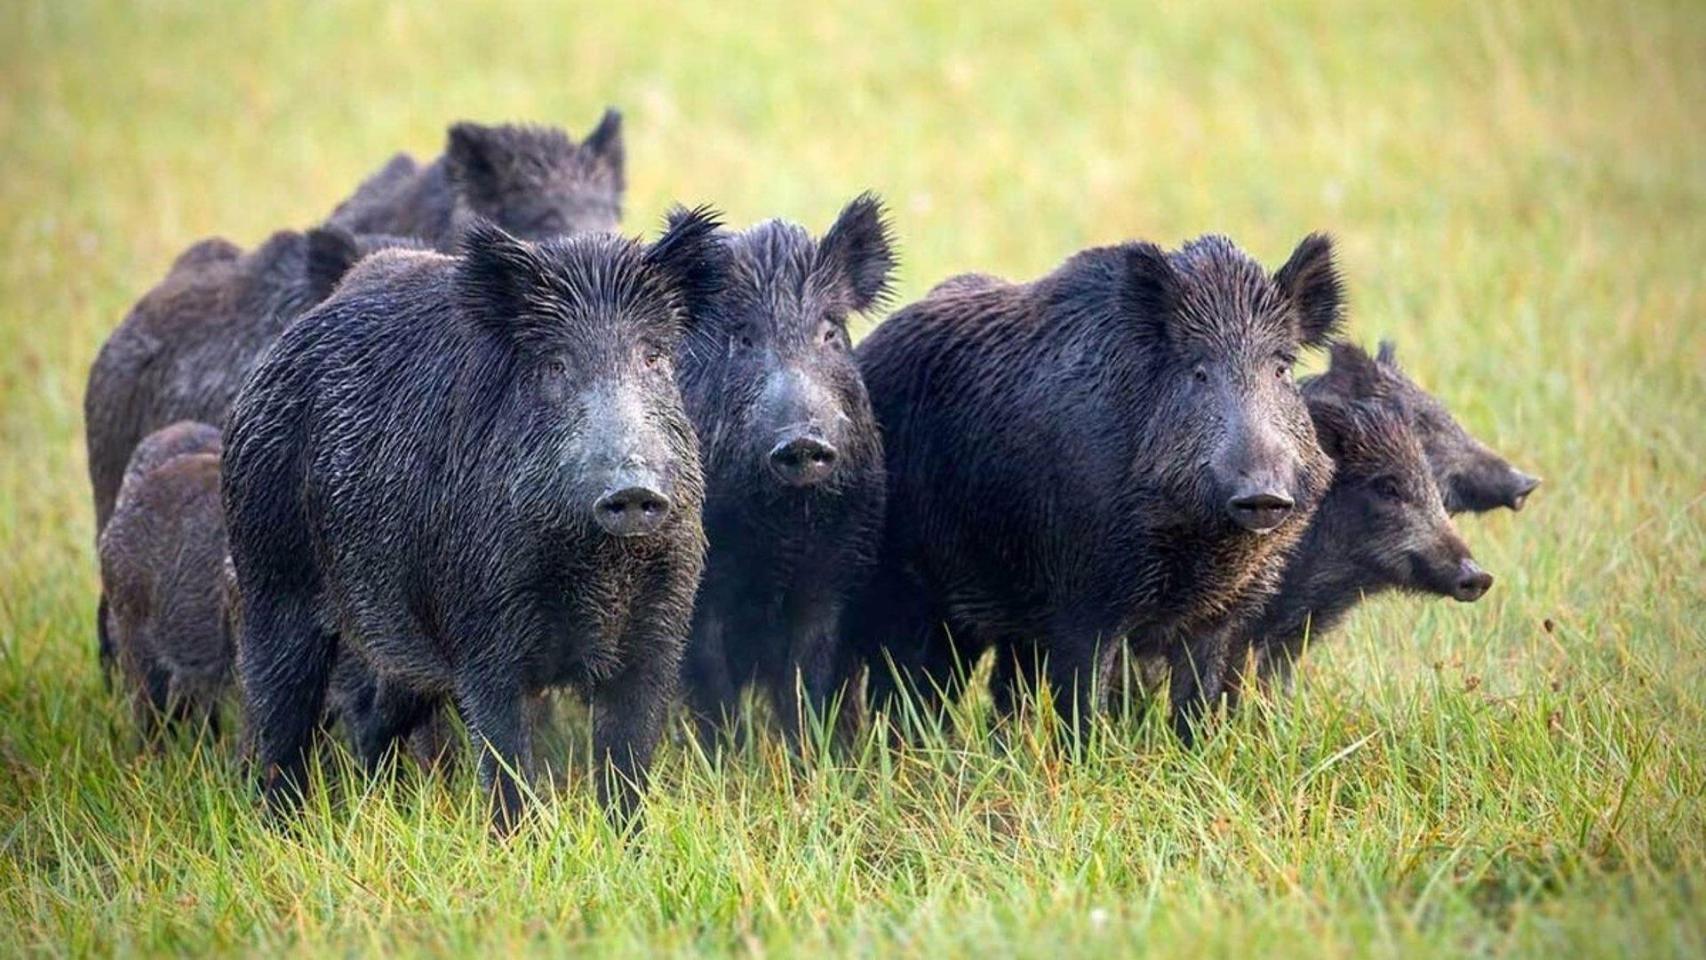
1388 355
1311 281
1151 286
331 252
861 247
496 276
605 143
1352 373
691 257
473 157
1335 425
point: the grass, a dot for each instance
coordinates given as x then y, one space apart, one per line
1520 195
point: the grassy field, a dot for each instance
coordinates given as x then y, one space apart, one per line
1520 195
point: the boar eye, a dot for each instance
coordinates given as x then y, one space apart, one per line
1286 362
1200 374
556 368
743 340
831 332
655 358
1387 488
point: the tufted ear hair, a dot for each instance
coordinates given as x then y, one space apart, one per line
605 144
331 252
1335 425
1311 281
1352 374
692 259
1151 287
1388 355
497 278
474 157
860 247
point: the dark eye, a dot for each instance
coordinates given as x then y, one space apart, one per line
556 368
1200 374
743 340
831 332
1283 369
1387 488
655 358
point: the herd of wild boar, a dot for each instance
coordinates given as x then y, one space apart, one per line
464 444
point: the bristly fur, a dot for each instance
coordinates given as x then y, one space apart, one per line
1471 476
186 346
532 181
413 475
1382 526
1046 446
769 364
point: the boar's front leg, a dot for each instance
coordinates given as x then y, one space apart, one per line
1205 669
803 684
628 713
711 692
492 704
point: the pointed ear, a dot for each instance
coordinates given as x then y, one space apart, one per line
1151 285
496 277
691 258
1388 355
860 247
1352 373
331 252
605 143
472 157
1335 425
1311 281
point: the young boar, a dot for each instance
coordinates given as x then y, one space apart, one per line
533 182
1471 477
161 555
185 348
476 474
1382 526
1117 449
793 464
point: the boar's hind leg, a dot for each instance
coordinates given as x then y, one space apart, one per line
628 713
286 662
498 731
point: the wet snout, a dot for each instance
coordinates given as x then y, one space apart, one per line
1472 582
803 460
633 505
801 417
1259 470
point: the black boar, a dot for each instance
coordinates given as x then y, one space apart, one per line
1471 477
1381 526
1117 449
185 348
533 182
161 554
793 465
476 473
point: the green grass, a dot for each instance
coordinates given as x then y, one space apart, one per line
1520 195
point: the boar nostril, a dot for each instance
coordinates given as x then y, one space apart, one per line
1259 512
803 461
1472 582
631 511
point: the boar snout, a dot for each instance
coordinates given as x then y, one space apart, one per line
1521 486
1472 582
633 506
1258 508
803 460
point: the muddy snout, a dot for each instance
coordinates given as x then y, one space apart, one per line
804 460
1472 582
634 504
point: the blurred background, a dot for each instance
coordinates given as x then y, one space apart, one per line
1518 190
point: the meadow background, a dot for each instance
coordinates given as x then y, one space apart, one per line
1519 192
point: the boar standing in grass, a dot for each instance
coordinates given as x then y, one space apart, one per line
161 555
1382 526
1117 449
1472 478
476 474
185 348
793 464
533 182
